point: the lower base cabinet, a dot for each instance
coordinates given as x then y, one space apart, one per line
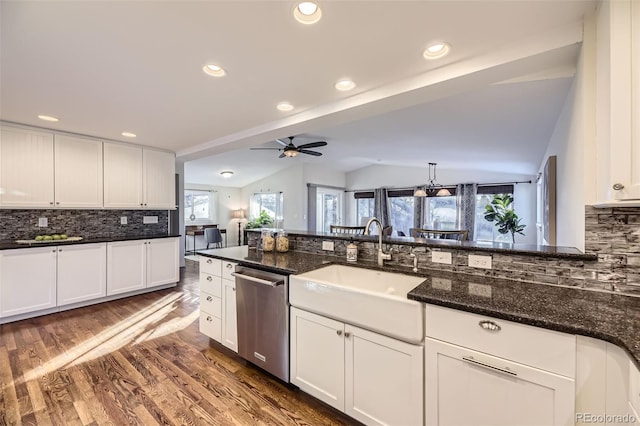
375 379
218 313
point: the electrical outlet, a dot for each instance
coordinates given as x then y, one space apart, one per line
43 222
327 245
149 219
438 256
477 261
123 220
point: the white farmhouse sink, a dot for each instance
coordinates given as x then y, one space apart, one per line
370 299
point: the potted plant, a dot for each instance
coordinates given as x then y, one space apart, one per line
506 219
264 220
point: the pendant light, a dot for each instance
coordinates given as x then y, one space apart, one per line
432 186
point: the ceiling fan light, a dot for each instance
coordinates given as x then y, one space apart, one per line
290 152
420 193
307 13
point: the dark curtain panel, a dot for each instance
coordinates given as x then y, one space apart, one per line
312 193
466 200
381 206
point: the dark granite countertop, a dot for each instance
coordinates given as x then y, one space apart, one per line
610 317
8 245
558 252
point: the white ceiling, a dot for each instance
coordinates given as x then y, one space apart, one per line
104 67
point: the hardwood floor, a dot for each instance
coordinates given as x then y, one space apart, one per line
140 361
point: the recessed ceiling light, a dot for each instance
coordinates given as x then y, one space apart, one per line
48 118
436 50
345 84
214 70
284 106
307 12
226 174
128 134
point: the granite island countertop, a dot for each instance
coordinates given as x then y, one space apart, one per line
10 244
610 317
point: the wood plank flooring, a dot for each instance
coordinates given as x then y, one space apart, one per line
140 361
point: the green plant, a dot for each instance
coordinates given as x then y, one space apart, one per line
506 219
264 220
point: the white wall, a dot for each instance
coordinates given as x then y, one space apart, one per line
396 176
573 142
229 199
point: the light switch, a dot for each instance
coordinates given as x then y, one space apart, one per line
43 222
123 220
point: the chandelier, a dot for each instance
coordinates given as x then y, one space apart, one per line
432 186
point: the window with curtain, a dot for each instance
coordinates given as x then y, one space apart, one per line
270 202
200 206
365 207
440 212
328 208
401 210
484 230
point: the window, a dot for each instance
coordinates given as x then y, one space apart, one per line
484 230
328 208
440 213
401 210
199 206
270 202
364 207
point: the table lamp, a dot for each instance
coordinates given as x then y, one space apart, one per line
239 214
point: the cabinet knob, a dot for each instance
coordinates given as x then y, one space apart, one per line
618 186
209 298
229 266
339 332
209 319
489 326
209 261
141 205
347 334
53 251
60 250
51 203
209 278
57 203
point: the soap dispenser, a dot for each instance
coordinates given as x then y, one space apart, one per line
352 251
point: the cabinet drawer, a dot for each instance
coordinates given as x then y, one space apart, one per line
211 304
227 269
634 387
211 266
211 284
537 347
211 326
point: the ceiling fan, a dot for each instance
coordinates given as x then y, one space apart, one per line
290 150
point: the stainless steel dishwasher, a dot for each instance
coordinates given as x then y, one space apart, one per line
262 301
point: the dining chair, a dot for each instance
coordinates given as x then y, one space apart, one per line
339 229
460 234
213 236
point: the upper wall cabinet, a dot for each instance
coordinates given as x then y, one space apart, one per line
618 98
26 168
40 170
138 178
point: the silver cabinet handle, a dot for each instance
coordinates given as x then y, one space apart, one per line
339 332
209 319
490 326
618 186
209 261
257 280
209 278
347 334
504 370
209 298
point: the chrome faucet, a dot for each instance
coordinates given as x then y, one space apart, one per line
382 256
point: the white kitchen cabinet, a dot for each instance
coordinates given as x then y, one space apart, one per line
158 184
26 168
634 391
218 319
82 273
372 378
27 280
136 177
618 100
471 379
137 264
163 261
78 172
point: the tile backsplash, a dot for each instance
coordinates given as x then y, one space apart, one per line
23 224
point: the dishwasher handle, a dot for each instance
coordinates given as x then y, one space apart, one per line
270 283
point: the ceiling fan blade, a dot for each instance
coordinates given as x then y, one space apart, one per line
312 145
282 142
306 151
281 155
257 149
